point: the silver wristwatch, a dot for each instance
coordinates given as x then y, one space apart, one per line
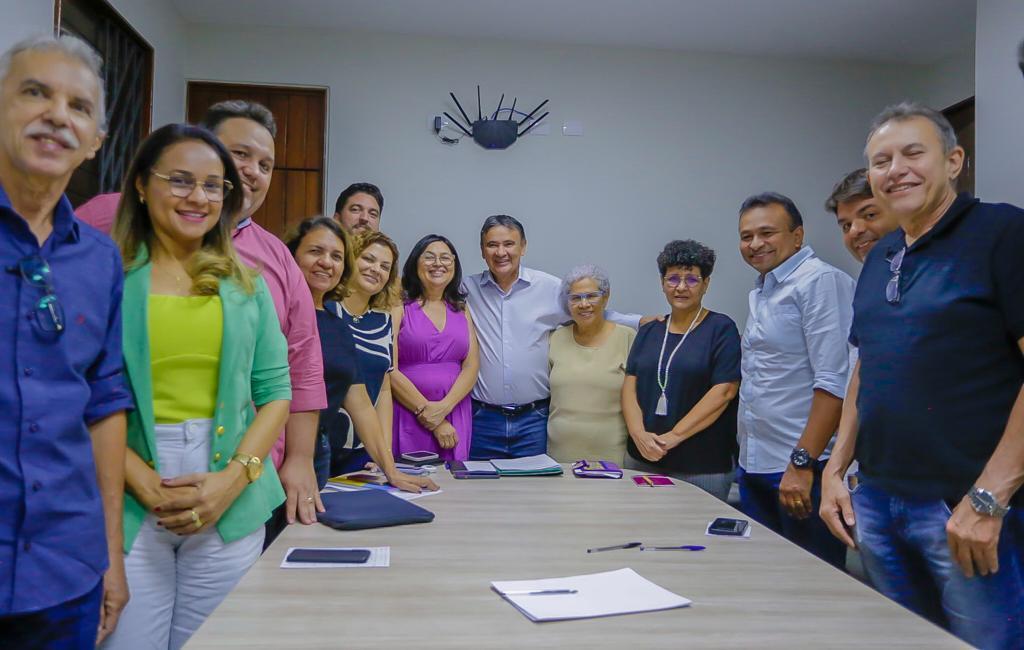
984 503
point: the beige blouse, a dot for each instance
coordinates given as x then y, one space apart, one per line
586 411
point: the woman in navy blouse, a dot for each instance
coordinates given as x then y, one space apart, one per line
682 376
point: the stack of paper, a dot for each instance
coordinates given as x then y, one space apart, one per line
597 594
541 465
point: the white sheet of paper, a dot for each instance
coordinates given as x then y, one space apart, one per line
598 594
527 463
478 466
379 556
408 496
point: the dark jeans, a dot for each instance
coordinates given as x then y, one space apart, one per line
759 499
69 626
906 555
497 435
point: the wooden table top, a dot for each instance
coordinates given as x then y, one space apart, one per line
760 592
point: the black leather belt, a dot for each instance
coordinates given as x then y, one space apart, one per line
516 410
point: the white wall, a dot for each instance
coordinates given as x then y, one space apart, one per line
22 19
999 107
940 84
673 142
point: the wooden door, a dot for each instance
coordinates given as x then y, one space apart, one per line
297 188
961 116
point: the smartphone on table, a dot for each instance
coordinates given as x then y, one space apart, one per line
329 555
726 526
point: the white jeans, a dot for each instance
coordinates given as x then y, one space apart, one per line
176 581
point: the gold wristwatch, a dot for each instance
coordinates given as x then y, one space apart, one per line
253 465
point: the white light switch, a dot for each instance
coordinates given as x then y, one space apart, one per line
572 127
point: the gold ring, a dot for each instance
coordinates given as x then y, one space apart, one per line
309 499
196 520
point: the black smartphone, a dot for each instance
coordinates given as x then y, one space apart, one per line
330 555
726 526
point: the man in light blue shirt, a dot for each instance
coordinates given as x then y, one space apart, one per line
514 311
795 369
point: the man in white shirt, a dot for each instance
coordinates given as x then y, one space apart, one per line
795 369
514 309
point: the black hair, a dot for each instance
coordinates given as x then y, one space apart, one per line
764 199
503 220
853 187
687 252
226 110
357 188
454 294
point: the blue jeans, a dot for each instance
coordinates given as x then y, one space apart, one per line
906 555
496 435
69 626
759 500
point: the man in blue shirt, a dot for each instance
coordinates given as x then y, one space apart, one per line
936 410
795 368
62 392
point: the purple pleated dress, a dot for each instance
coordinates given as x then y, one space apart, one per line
432 360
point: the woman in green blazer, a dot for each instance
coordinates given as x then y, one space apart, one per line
202 345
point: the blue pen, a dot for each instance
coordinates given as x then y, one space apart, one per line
685 547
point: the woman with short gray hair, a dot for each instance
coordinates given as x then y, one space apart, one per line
586 363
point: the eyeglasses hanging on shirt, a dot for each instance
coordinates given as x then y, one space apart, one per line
48 313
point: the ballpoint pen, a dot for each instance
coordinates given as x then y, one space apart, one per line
684 547
539 592
614 548
648 480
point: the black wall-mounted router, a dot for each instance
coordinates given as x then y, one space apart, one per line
495 133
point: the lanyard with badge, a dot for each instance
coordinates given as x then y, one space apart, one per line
662 407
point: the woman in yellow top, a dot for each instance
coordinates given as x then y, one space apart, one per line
201 346
587 364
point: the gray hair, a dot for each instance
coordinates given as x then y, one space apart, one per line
230 108
907 110
503 220
70 46
583 272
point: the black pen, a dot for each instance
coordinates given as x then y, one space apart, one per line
615 548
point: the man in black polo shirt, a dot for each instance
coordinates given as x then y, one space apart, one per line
937 415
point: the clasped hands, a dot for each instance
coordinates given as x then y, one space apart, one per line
431 417
653 446
206 494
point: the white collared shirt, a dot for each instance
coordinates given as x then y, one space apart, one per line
795 342
513 329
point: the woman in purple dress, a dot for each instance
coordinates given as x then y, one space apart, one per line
436 358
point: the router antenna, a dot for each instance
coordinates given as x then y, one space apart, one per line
512 112
458 124
468 121
532 112
535 123
497 113
479 111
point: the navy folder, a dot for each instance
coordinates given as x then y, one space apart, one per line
369 509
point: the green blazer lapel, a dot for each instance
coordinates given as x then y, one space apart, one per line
231 301
137 362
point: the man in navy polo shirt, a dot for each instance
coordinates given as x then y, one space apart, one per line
62 390
937 408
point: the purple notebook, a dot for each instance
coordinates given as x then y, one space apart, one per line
596 469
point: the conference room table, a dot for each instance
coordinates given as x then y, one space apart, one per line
759 592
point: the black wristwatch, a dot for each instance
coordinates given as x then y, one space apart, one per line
800 458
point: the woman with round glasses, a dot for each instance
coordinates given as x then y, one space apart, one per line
586 363
436 355
202 345
682 378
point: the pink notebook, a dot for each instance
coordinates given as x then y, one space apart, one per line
652 480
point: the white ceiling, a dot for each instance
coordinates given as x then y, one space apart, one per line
899 31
